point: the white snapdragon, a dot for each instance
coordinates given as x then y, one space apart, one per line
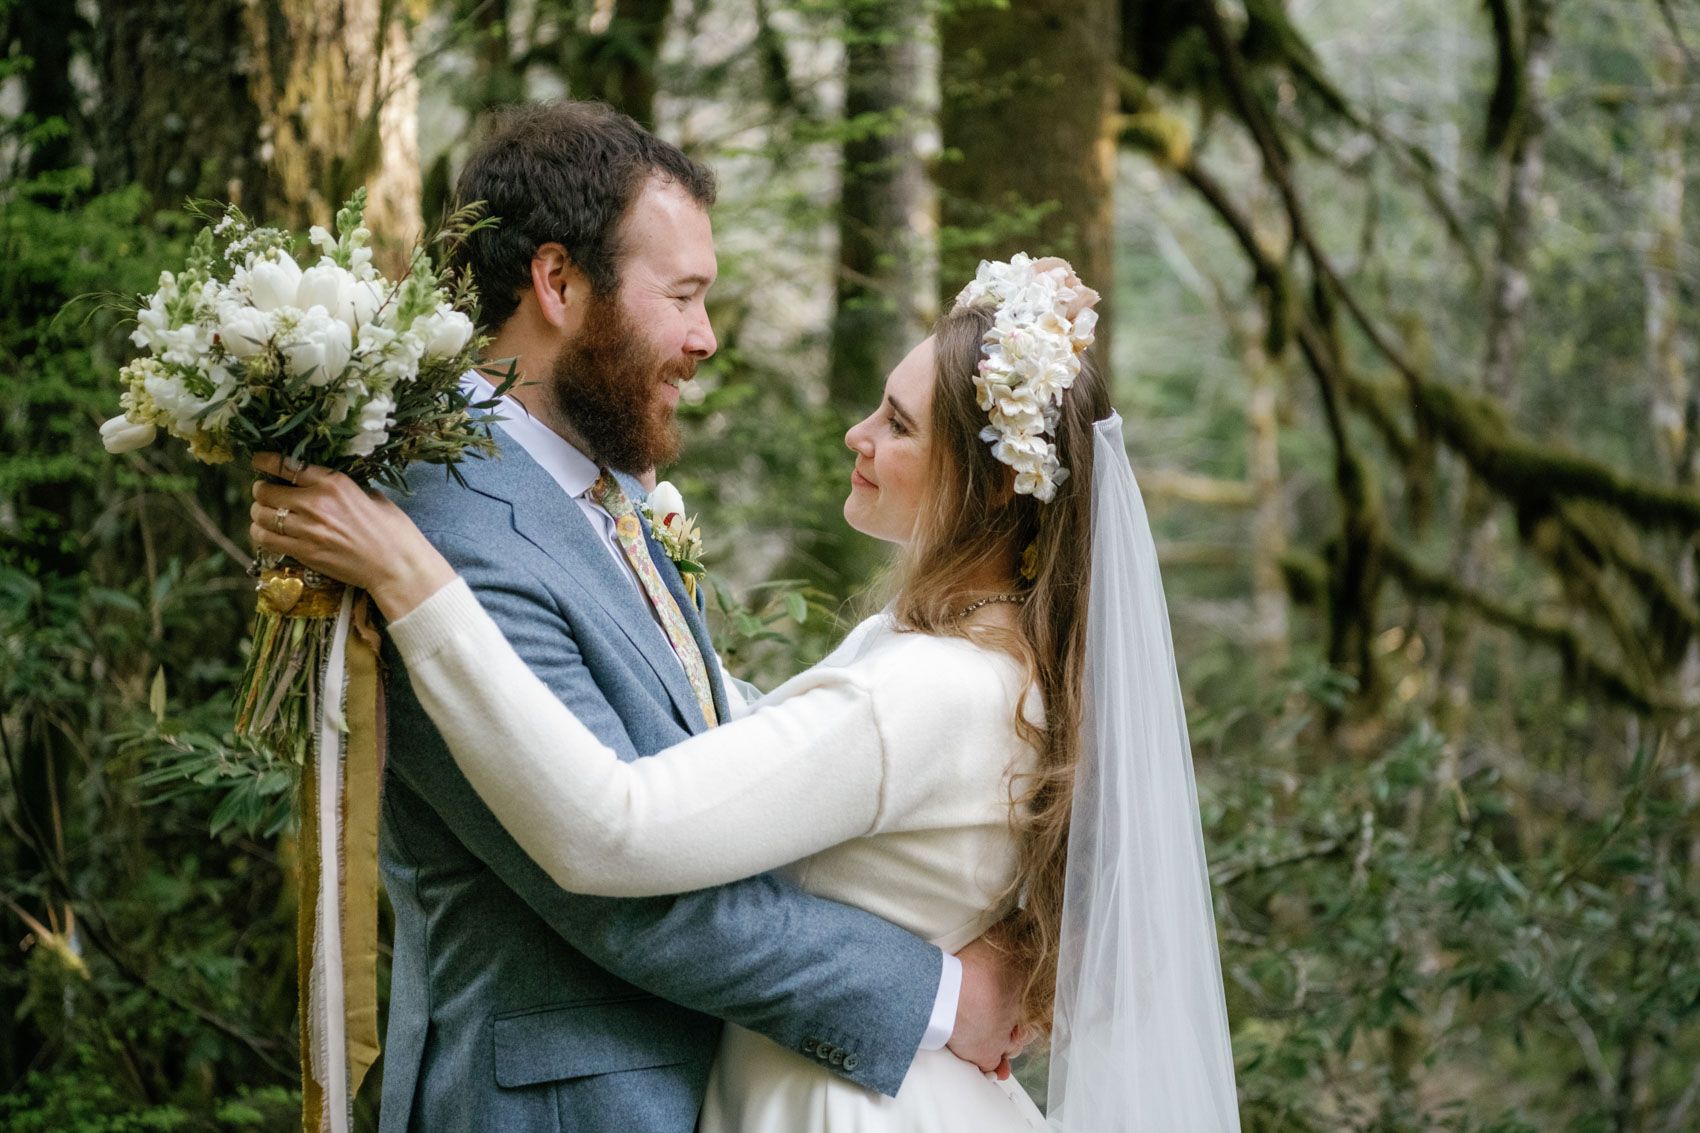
183 345
155 318
388 355
1042 321
374 425
182 410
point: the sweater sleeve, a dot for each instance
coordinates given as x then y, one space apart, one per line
769 788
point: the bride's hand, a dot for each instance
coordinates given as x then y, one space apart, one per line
327 522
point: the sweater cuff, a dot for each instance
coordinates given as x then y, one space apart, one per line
429 627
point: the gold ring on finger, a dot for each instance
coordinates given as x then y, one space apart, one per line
281 518
292 467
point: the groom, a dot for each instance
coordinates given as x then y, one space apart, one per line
516 1006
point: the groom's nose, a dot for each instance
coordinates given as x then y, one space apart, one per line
699 340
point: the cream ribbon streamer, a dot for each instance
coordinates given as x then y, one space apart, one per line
338 931
326 1024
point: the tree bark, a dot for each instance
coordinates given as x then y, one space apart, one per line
1510 296
616 61
338 104
1028 113
1270 601
1668 381
175 113
1671 388
47 37
883 201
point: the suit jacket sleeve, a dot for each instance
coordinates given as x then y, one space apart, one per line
759 952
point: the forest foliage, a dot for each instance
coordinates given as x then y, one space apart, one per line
1402 318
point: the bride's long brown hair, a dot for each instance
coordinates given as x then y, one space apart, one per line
971 518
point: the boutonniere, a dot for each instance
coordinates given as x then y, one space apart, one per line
677 532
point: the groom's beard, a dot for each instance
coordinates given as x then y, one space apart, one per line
607 383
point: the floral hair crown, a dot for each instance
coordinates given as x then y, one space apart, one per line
1042 320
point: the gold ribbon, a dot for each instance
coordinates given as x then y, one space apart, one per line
362 775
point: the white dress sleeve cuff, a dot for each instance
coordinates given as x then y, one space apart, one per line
434 623
944 1006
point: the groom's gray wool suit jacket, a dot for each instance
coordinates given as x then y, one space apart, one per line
518 1007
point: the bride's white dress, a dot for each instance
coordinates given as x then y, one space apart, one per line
879 778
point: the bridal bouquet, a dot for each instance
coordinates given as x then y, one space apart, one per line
247 349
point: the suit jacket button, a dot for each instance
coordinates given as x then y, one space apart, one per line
851 1062
809 1045
837 1057
825 1052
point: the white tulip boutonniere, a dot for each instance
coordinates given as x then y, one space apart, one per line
677 532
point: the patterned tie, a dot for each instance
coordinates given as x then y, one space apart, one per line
628 531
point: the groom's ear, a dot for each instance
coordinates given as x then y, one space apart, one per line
560 288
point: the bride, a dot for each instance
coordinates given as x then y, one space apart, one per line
1002 749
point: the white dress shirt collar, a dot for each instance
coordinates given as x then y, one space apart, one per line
570 468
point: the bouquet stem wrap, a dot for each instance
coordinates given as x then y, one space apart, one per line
313 692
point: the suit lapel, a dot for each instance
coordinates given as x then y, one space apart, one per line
553 522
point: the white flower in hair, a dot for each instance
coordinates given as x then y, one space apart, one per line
1042 321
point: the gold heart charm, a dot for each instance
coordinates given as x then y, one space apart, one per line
279 593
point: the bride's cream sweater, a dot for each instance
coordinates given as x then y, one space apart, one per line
881 776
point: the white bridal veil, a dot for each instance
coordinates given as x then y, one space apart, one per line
1141 1029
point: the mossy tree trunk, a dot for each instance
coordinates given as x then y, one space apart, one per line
1508 302
338 105
1028 100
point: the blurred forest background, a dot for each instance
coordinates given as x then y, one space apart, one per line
1403 320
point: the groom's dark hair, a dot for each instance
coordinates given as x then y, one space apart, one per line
565 172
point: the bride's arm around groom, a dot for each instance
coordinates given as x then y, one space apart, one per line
837 753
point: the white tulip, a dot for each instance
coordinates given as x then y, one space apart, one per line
273 283
665 500
444 331
122 434
318 347
244 331
337 342
366 298
329 286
